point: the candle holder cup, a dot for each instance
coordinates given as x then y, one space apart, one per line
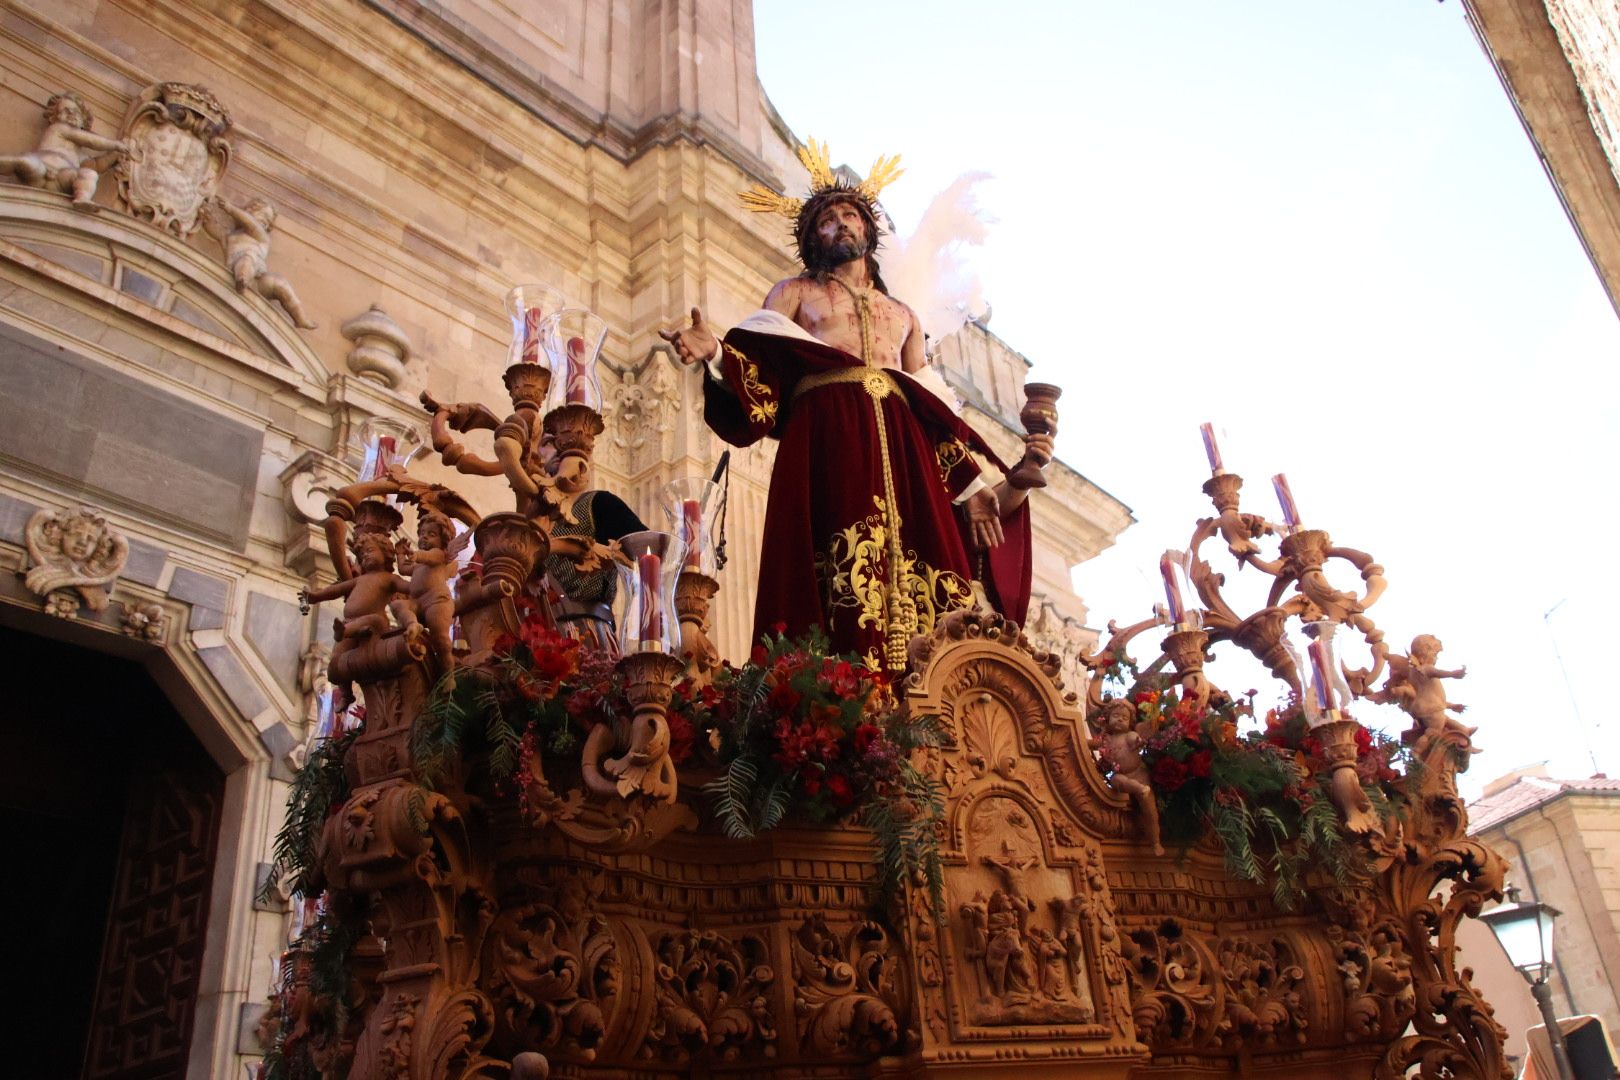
528 385
1222 489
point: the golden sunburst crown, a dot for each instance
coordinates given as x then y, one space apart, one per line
813 155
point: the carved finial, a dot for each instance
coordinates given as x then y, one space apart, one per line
381 347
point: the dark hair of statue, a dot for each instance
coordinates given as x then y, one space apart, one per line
817 262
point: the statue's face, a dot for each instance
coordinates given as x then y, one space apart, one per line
430 536
67 111
79 537
373 556
842 232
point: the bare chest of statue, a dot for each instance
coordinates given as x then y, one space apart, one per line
832 313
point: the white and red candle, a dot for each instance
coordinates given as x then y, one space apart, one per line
574 385
1172 588
692 533
532 351
1285 498
1319 672
379 455
326 715
1211 449
650 570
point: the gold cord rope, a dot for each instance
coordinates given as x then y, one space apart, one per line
901 608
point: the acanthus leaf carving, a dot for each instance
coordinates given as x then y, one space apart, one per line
843 991
711 999
552 969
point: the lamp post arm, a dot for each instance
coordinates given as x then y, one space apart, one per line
1555 1034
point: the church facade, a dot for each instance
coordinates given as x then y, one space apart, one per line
169 433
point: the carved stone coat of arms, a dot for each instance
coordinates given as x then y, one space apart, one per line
177 154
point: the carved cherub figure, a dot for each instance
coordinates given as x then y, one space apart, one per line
431 604
65 157
368 594
75 551
1414 685
1121 742
244 232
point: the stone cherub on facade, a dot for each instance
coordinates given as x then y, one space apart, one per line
1414 685
73 552
244 232
65 159
1121 744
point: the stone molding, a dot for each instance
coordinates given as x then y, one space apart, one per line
267 343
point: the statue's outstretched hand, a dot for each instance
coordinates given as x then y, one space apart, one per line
984 518
1038 448
695 344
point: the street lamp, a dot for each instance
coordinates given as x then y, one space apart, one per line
1525 932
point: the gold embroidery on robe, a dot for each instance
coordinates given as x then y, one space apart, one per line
852 573
948 454
760 401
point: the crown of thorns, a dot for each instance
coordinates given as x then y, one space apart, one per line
884 171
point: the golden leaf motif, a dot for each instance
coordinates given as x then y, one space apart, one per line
853 571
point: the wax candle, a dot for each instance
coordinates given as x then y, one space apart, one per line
379 456
574 386
692 532
1211 450
324 717
651 570
1285 498
532 318
1319 669
1172 588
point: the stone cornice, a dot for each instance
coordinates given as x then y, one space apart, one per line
490 62
1523 47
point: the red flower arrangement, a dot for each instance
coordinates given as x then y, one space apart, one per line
1261 786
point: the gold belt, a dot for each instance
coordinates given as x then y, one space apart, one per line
878 382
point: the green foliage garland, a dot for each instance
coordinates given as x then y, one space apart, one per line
805 731
1264 794
318 789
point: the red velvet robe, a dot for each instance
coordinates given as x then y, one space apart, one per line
825 557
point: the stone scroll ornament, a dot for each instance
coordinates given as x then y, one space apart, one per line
177 155
75 557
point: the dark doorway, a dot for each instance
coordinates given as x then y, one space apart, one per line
111 810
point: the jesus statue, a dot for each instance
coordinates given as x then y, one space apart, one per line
878 521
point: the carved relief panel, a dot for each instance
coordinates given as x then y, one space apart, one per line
1027 959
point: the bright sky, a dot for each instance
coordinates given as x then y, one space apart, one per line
1320 226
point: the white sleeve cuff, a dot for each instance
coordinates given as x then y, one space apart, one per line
974 487
716 371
